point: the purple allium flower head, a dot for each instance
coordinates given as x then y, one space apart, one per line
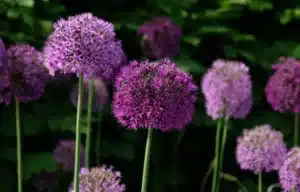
99 179
5 94
283 88
154 95
261 149
64 155
289 172
83 44
161 38
26 75
3 58
100 95
227 89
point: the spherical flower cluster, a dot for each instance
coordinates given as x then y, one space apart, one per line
83 44
227 89
100 95
154 95
99 179
283 88
64 155
161 38
289 172
25 76
261 149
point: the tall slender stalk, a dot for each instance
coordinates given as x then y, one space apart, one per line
19 145
77 148
98 141
224 138
216 175
147 160
208 172
260 182
89 123
296 129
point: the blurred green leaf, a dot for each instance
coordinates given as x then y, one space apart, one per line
296 52
13 13
37 162
286 16
67 123
192 40
189 65
25 3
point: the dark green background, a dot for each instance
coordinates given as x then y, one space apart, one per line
255 31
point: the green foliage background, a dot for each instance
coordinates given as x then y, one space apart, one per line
255 31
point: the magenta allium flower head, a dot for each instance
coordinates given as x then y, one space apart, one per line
283 88
83 44
289 172
3 58
227 89
99 179
26 73
161 38
154 95
261 149
100 95
64 154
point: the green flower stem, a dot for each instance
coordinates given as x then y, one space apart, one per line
77 148
208 172
224 138
146 160
89 123
217 153
19 145
98 141
232 178
260 182
296 129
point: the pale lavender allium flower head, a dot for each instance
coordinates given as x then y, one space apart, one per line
99 179
25 73
289 172
260 149
64 155
83 44
161 38
283 88
100 95
227 89
154 95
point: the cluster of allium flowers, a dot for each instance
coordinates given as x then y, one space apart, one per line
24 76
161 38
227 89
154 95
83 44
99 179
283 88
261 149
100 95
64 155
289 172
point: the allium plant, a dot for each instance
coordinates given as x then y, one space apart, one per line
100 95
23 79
161 38
261 149
99 179
84 45
289 172
64 155
283 89
153 95
227 89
